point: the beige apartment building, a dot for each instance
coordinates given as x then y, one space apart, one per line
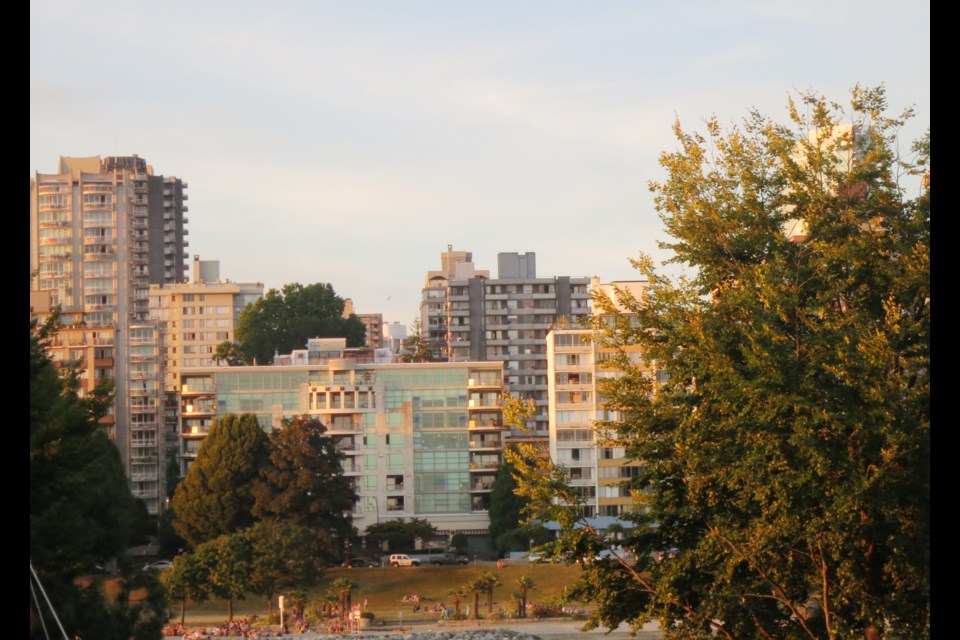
194 317
576 365
102 230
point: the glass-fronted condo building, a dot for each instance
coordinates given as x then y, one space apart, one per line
421 440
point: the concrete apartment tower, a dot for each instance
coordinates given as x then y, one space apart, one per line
102 230
576 365
194 318
470 317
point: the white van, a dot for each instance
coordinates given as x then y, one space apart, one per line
403 560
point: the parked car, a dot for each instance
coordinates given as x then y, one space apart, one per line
537 557
446 558
355 563
98 568
403 560
159 565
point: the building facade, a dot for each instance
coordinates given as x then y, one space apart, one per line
421 440
469 317
102 230
193 318
577 364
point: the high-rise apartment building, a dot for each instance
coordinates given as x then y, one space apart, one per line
468 317
454 265
102 230
576 365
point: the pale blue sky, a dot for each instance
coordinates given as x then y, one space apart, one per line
350 142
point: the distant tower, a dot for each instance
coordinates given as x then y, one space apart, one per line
468 316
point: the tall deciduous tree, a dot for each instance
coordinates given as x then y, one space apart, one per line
186 580
786 458
302 481
227 562
284 320
215 497
284 556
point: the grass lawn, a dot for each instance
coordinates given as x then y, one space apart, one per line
384 588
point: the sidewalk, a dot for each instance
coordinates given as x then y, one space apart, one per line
550 629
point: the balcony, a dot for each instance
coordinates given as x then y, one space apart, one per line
52 224
97 188
484 424
485 463
485 443
102 255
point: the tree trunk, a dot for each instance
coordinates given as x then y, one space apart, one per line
476 605
230 609
183 612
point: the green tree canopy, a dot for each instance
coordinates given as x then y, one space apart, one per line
186 580
216 497
302 481
285 556
227 563
284 320
228 353
399 534
785 439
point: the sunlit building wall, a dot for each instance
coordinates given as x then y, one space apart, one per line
102 230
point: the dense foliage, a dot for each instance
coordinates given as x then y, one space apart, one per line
263 513
284 320
786 436
216 496
400 534
81 508
302 481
